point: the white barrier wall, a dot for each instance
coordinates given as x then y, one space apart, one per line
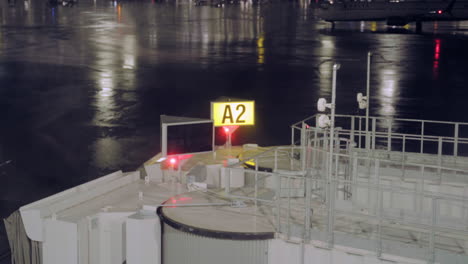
143 239
403 197
107 241
60 243
280 252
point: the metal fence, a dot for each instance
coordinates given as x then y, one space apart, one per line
356 196
397 134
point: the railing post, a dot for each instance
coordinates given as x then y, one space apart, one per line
404 146
360 134
289 208
432 234
373 132
276 161
331 213
422 138
256 182
308 213
314 152
227 188
403 167
354 179
377 183
439 157
455 140
278 201
291 159
379 212
369 55
351 137
292 135
303 146
389 135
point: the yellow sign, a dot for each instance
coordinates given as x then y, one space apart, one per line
233 113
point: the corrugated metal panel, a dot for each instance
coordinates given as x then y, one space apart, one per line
185 248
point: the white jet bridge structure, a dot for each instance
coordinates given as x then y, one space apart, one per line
396 192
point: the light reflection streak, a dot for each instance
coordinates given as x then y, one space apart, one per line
119 13
261 50
387 93
115 53
109 75
129 50
326 50
435 66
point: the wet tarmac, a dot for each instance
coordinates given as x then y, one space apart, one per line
82 86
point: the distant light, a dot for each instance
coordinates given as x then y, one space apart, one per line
439 11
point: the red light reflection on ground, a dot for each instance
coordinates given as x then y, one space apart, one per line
178 200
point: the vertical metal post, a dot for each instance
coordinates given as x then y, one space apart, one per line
291 159
331 213
389 135
354 176
422 137
336 67
256 182
213 142
379 207
278 201
289 208
420 195
360 132
292 135
369 55
228 181
179 174
314 153
330 201
439 158
164 140
276 160
404 146
455 140
308 215
377 183
303 146
374 127
432 234
403 167
352 129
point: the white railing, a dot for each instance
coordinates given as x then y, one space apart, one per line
306 195
398 134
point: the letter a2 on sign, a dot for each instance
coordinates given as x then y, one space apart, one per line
240 113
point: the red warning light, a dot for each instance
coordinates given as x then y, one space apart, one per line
172 161
439 12
230 129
